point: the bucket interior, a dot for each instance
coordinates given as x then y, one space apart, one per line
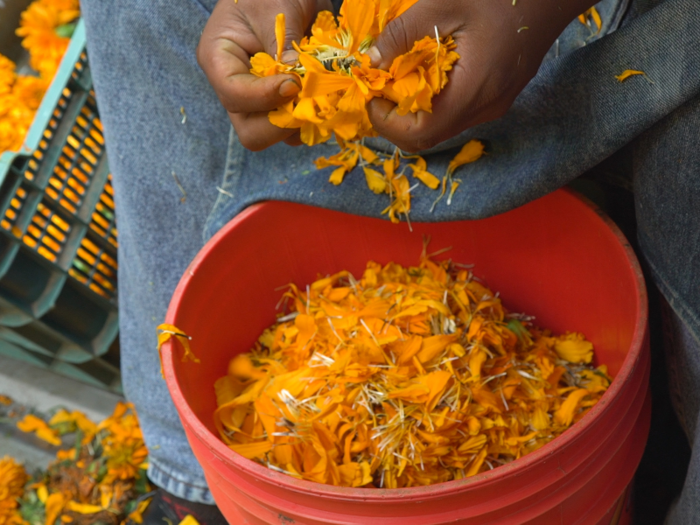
555 258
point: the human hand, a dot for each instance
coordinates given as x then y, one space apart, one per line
234 33
501 47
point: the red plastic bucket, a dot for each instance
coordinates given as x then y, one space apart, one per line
556 258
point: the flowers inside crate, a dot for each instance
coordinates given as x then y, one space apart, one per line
45 27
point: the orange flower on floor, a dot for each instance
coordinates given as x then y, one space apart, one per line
33 424
101 478
12 480
71 421
405 377
123 444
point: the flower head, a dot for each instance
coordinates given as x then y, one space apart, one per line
40 29
7 74
13 477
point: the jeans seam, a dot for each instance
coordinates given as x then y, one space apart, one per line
232 169
172 483
203 6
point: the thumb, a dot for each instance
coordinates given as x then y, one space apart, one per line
399 35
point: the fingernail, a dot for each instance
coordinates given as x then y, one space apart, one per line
288 88
290 57
375 56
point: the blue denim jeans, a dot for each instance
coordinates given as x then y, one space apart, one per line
178 180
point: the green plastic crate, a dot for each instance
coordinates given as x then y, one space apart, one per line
58 238
97 371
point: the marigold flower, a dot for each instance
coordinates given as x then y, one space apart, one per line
38 28
13 477
45 26
7 74
123 444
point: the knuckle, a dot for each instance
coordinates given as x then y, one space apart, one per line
423 144
421 139
247 139
410 146
503 109
203 56
251 143
394 39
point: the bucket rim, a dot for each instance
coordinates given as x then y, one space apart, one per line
266 475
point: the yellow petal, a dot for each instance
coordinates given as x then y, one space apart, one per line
305 111
31 423
367 154
279 34
628 73
596 18
315 84
477 462
357 18
252 450
433 346
283 117
540 419
427 178
566 412
338 175
471 151
54 507
574 348
83 508
375 180
137 514
263 65
189 520
166 332
42 493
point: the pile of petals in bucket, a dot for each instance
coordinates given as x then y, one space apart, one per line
403 378
98 476
45 27
337 82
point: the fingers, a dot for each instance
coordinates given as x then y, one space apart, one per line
256 133
234 33
298 16
294 140
419 21
226 65
467 100
324 5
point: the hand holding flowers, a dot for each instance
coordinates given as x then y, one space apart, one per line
235 32
501 44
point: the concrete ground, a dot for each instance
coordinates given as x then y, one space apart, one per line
40 390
